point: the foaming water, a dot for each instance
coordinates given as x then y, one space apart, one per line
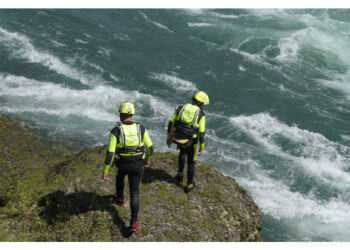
159 25
21 47
63 104
305 164
200 24
328 38
175 82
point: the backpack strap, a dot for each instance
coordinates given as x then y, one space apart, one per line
178 109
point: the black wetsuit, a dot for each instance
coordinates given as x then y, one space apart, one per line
189 152
134 170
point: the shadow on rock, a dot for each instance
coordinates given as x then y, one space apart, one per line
3 201
58 207
152 174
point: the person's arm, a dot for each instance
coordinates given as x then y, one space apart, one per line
171 124
149 147
201 135
110 153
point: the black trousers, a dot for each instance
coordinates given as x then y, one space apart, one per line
189 153
134 171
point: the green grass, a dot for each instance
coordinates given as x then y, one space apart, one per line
171 235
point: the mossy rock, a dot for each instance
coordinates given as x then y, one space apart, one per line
62 197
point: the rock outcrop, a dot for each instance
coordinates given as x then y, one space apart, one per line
47 195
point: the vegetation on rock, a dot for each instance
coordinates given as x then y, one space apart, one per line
46 195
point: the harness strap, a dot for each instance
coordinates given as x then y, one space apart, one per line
182 110
122 135
130 150
138 133
195 117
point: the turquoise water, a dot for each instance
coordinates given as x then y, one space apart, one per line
278 81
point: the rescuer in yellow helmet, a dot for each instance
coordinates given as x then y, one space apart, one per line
186 128
130 148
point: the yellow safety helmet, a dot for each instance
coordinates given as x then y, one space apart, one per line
127 108
201 96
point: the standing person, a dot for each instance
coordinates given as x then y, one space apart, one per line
186 128
127 150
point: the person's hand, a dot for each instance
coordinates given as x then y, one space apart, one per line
168 142
105 177
147 163
200 152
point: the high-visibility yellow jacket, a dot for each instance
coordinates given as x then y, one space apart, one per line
192 116
128 141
